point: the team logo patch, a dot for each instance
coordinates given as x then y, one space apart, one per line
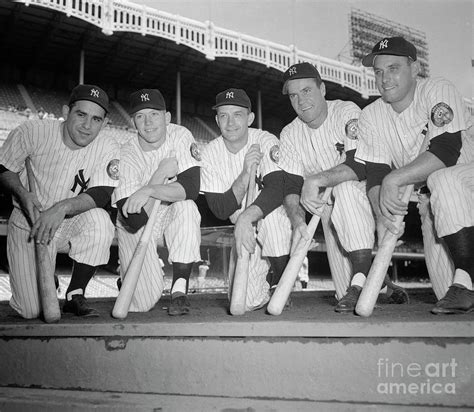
113 169
275 154
352 129
441 114
195 153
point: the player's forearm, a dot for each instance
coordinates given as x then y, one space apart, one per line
252 214
294 210
337 174
11 181
240 185
171 192
76 205
374 196
417 171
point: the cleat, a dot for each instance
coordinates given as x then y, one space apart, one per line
179 305
79 307
458 299
349 300
398 296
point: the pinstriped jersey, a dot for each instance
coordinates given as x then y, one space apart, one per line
396 138
137 166
306 151
220 167
60 172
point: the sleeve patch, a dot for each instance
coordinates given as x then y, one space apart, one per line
352 129
441 114
113 169
195 153
275 154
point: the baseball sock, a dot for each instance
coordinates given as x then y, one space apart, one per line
181 274
360 260
278 264
459 244
81 275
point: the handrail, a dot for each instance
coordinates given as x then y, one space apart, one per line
123 15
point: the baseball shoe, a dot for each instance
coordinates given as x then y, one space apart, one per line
79 307
179 305
349 300
398 296
458 299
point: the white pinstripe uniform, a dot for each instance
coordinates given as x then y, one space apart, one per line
392 138
307 151
219 170
60 173
177 223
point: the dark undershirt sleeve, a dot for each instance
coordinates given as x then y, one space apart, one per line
358 168
222 205
446 147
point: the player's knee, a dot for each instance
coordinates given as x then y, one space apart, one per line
187 213
99 220
440 179
345 190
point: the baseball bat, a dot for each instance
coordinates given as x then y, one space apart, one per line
375 277
45 272
288 278
129 284
241 274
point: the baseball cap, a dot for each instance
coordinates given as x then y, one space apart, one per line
234 97
91 93
396 46
300 71
146 99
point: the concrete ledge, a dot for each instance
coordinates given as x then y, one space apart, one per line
50 400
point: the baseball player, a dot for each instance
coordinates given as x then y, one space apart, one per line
318 146
161 164
225 177
75 172
391 133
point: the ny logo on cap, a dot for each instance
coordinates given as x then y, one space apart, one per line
94 92
292 71
383 44
229 95
145 97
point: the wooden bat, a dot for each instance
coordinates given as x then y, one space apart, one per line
239 285
373 284
45 272
370 291
129 284
288 278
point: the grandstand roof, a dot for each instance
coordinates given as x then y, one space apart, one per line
43 48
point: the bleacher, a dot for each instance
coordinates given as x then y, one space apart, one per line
50 101
10 96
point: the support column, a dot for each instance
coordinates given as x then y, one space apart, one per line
178 97
81 67
259 109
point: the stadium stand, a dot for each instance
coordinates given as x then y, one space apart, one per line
10 97
51 101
